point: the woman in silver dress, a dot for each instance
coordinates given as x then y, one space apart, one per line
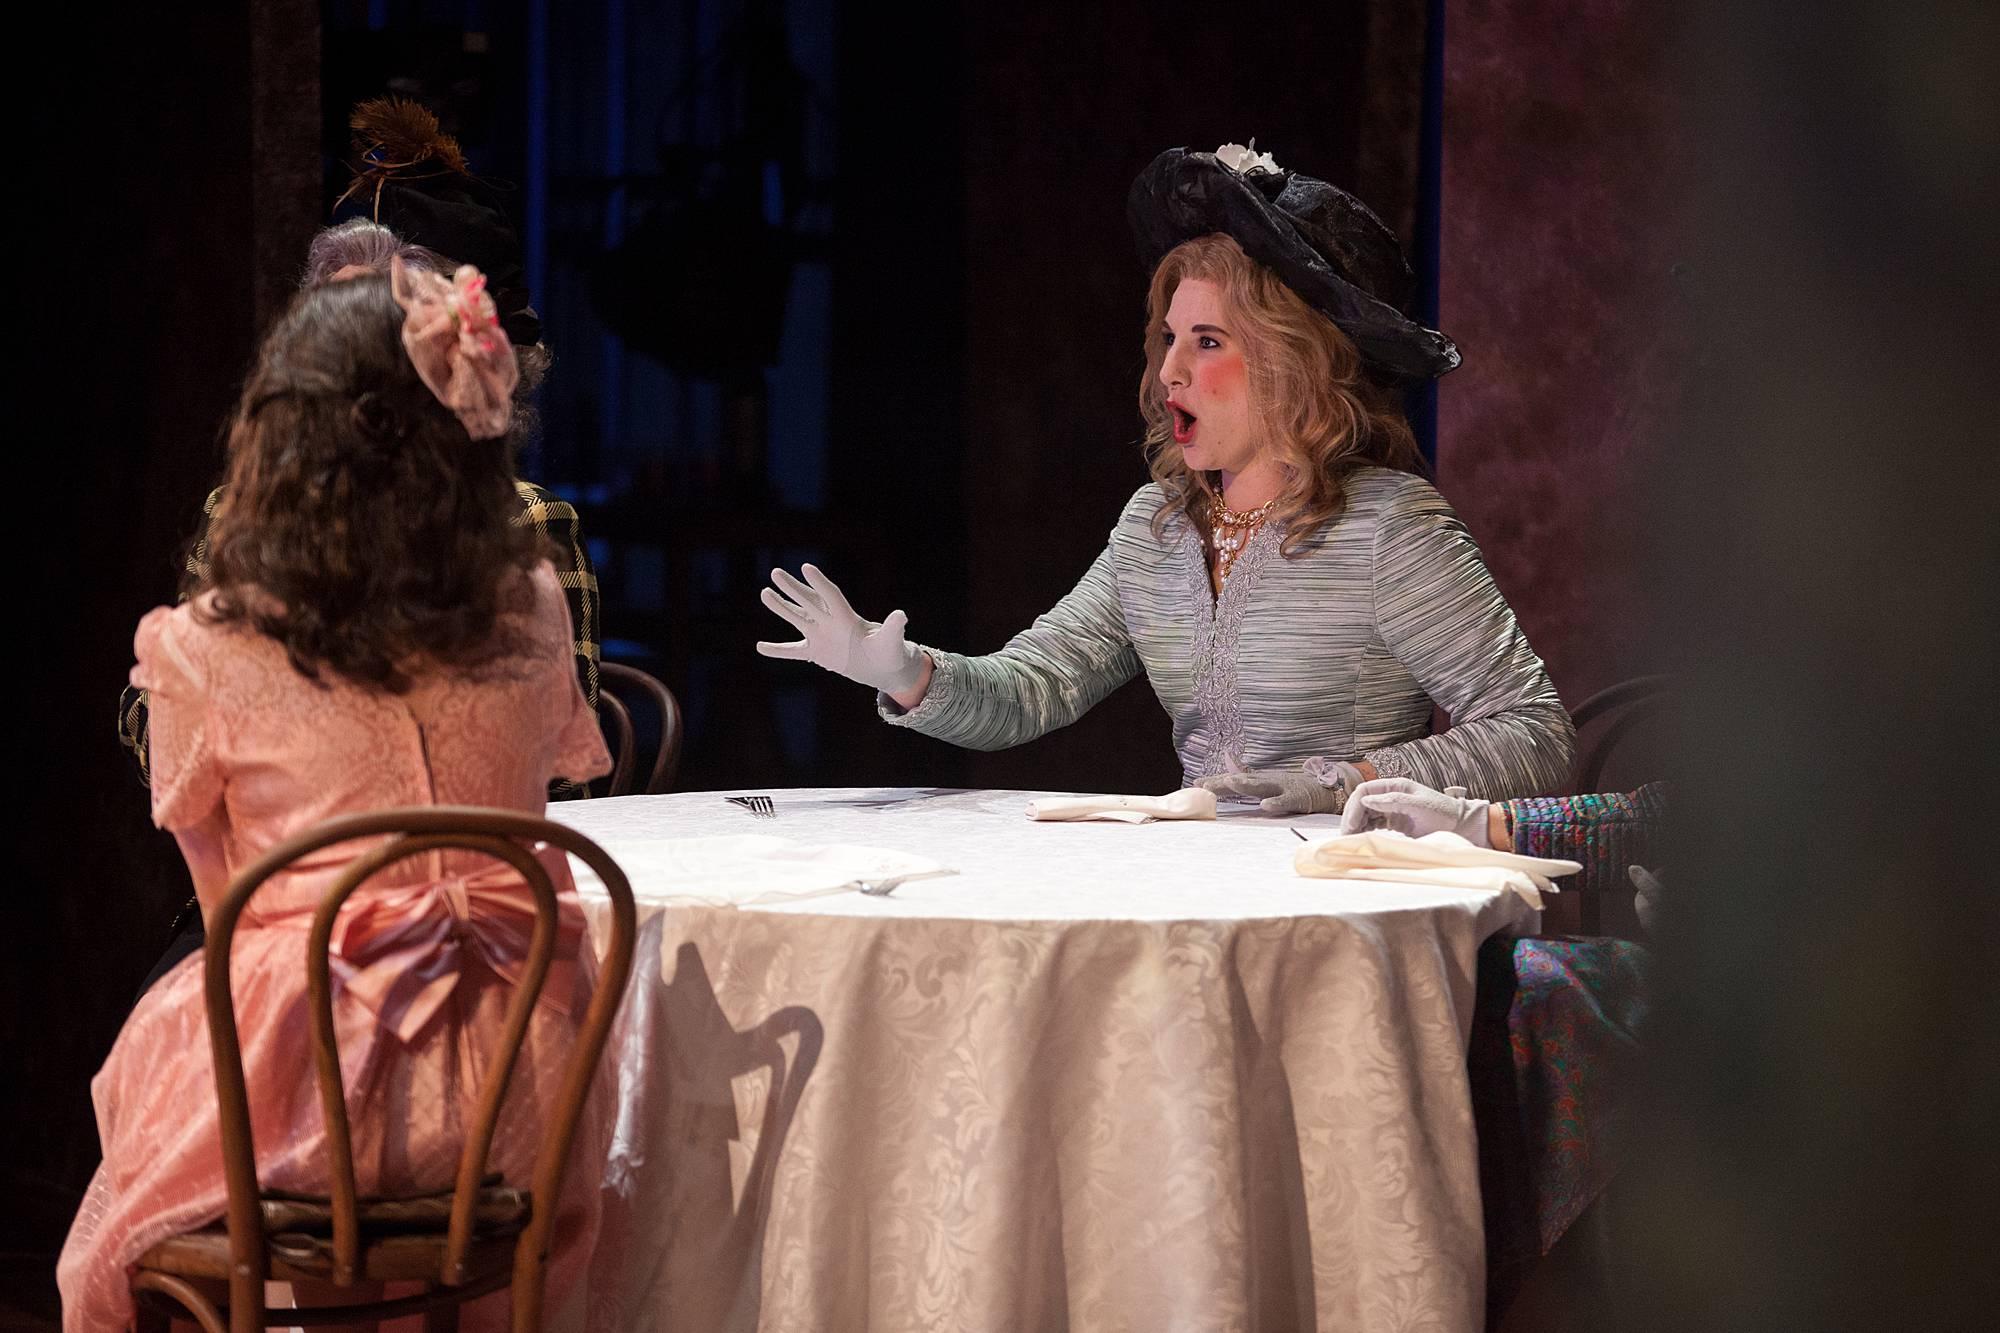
1296 593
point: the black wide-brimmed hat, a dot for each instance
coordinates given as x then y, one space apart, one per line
1325 244
412 177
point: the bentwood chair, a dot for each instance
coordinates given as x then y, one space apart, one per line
620 689
1620 709
481 1235
622 740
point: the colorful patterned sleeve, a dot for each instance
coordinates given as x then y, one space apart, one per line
1605 832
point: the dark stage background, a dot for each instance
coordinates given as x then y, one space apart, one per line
927 203
926 200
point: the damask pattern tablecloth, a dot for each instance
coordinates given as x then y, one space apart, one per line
1107 1077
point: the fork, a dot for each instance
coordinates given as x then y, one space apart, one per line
760 806
882 888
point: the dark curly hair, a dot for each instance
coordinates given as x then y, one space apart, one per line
360 526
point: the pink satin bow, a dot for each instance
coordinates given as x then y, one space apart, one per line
402 951
452 332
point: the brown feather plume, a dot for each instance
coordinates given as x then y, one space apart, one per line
401 133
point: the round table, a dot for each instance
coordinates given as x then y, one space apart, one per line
1107 1076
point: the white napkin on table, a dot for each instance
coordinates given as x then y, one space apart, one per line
1188 803
1436 858
744 870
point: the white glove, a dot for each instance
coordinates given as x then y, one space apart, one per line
1408 807
1289 791
838 639
1646 902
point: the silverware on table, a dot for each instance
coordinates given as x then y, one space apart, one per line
881 888
760 806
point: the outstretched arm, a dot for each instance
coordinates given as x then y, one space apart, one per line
1046 677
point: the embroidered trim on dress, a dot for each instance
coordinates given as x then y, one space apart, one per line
937 697
1215 643
1392 761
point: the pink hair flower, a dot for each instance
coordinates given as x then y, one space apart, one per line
445 332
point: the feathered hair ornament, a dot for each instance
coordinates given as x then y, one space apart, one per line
396 138
412 177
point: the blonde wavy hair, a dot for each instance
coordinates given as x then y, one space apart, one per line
1322 415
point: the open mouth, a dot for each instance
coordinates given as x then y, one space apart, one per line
1183 423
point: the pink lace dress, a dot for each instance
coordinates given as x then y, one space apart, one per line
248 752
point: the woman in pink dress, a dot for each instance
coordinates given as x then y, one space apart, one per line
374 632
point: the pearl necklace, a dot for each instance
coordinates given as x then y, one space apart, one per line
1229 530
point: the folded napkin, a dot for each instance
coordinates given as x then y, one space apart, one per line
1188 803
747 869
1436 858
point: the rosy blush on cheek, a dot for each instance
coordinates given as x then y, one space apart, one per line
1220 377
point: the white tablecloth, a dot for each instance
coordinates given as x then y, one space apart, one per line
1108 1076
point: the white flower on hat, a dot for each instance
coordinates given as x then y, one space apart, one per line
1244 160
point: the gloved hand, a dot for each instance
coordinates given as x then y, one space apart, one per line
1289 791
1651 888
1411 808
837 638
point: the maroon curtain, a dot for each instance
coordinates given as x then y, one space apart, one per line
1557 279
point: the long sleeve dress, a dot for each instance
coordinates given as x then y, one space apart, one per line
555 518
246 752
1339 651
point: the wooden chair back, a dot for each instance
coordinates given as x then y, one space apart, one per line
623 740
502 835
627 686
1621 708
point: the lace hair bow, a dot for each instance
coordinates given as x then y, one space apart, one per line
452 333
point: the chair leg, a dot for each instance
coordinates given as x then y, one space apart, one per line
527 1297
152 1316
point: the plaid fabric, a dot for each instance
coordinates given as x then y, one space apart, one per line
557 521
